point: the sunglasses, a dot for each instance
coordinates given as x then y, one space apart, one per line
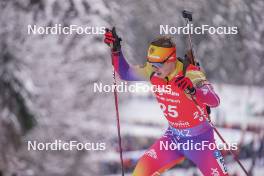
160 64
157 64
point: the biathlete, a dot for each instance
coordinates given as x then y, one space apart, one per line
187 122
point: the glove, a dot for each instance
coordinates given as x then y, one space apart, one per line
112 39
185 84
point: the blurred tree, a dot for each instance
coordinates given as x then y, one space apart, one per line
12 90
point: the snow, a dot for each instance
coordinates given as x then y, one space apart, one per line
239 103
142 111
232 136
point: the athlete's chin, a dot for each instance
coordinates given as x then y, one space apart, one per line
162 73
159 73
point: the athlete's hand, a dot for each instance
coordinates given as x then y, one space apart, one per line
112 39
185 84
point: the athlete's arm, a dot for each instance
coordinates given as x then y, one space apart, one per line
125 71
204 91
206 94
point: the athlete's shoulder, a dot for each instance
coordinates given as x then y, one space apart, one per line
145 69
195 74
180 66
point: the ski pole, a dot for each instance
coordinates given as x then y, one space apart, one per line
187 15
118 124
116 107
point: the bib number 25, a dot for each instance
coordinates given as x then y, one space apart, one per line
172 112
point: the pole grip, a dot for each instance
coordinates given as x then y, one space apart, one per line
187 14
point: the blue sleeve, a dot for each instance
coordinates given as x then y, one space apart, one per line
125 71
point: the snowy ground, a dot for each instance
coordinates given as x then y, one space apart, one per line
239 103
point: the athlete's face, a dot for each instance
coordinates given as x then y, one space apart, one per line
163 70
